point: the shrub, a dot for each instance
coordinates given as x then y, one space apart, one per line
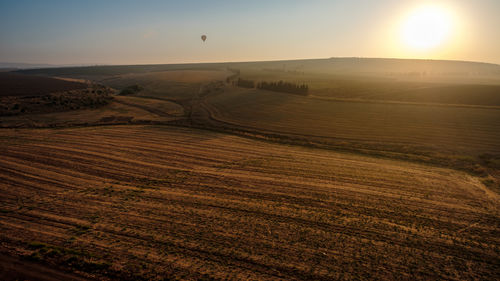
131 90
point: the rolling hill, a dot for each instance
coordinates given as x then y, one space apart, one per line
385 170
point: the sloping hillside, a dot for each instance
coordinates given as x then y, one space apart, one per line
135 202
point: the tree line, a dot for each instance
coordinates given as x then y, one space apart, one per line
280 86
243 83
285 87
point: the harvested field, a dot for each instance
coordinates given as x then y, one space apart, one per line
387 89
466 131
15 84
155 106
485 95
146 202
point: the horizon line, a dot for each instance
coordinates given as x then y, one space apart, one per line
50 65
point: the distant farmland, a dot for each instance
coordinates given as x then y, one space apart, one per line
13 84
446 129
349 87
448 123
149 202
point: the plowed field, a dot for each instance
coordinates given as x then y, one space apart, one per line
145 202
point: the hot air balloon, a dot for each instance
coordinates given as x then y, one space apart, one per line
203 37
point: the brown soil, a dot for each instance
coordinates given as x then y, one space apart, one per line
154 202
12 268
15 84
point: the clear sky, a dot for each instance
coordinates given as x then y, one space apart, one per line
136 32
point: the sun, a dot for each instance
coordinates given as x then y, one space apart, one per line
426 28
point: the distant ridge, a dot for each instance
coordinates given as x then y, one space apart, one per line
19 65
24 65
435 70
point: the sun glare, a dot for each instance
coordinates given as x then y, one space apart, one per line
426 28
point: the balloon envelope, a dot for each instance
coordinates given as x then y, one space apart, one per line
203 37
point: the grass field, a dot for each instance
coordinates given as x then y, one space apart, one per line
121 110
150 202
173 85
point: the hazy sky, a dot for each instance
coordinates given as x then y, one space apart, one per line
135 32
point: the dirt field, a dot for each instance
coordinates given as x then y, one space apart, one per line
145 202
14 84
